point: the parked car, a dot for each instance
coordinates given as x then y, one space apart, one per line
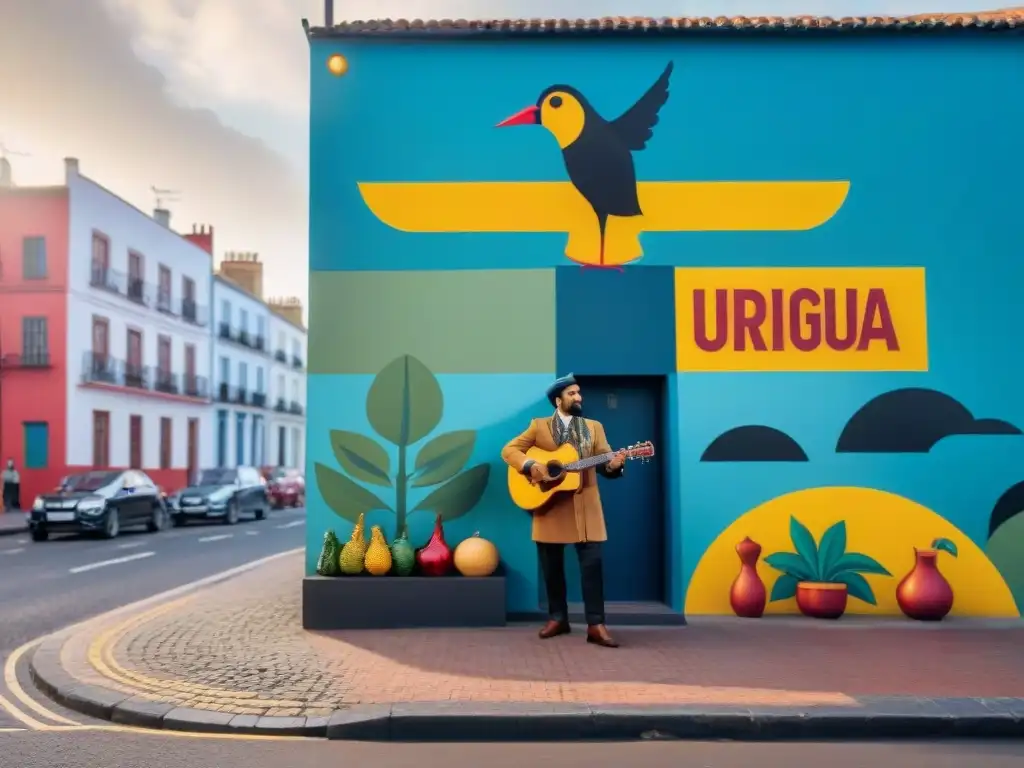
100 501
225 494
286 488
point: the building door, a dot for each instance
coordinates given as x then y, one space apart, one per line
135 442
100 343
37 444
133 371
239 439
222 438
190 371
281 431
163 363
192 460
100 439
630 408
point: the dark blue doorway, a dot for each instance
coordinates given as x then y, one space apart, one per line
630 408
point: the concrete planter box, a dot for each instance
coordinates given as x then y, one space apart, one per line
402 602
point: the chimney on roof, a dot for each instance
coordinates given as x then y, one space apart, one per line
162 216
290 308
6 176
244 269
202 235
328 13
70 168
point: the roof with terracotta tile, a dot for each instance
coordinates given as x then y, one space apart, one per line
1006 19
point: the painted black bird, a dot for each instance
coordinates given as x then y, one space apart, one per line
598 152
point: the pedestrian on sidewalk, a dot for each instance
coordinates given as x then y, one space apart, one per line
11 487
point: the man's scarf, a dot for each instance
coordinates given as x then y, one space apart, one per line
575 432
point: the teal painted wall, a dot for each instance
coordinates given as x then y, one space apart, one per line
926 128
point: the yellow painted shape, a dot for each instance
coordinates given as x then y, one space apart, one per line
556 206
904 289
884 525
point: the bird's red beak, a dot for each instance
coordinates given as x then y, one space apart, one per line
526 116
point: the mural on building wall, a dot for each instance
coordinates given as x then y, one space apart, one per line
754 442
602 208
403 406
913 420
1005 546
858 537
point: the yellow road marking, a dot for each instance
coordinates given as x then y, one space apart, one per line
12 730
14 686
20 716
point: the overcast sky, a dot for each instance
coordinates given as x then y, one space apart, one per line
209 97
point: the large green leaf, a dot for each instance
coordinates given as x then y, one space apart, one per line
1005 548
792 564
443 457
404 403
831 548
362 457
856 585
784 587
855 562
804 544
346 498
945 545
456 497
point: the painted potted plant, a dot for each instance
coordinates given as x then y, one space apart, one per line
822 575
924 593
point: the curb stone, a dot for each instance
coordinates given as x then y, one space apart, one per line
874 717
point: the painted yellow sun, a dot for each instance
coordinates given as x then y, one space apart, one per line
337 64
883 525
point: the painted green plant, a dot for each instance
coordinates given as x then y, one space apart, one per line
945 545
826 562
404 405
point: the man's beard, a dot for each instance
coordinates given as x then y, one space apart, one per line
576 409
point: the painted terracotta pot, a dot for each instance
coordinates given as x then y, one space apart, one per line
747 595
924 594
821 601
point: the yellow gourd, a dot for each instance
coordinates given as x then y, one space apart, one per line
378 554
351 559
476 557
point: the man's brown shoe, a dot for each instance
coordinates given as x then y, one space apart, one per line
554 629
598 635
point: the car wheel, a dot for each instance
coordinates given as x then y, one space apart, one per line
177 521
158 521
112 524
232 514
38 534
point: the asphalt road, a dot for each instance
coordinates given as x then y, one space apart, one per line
160 750
47 586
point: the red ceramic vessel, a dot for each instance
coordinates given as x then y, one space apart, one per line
748 596
820 600
924 594
435 558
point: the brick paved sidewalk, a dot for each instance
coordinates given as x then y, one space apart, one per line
239 648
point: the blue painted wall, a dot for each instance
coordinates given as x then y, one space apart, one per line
926 128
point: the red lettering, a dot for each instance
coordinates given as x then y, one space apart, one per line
749 323
803 318
812 320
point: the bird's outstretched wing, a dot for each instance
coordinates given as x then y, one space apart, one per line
636 125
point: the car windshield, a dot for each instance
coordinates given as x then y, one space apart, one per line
217 477
89 481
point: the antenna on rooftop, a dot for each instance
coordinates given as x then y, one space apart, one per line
165 196
6 151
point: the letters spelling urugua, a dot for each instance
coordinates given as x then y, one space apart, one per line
804 320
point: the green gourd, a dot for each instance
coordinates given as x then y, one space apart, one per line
327 565
403 555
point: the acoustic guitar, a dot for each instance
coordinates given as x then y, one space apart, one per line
564 467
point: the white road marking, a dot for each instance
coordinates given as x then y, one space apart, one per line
292 524
12 551
21 541
252 533
221 537
114 561
131 545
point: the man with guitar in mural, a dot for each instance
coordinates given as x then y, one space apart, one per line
573 517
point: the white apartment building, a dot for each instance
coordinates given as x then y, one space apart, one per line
138 339
287 433
242 361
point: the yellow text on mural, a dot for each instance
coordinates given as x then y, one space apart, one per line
801 319
557 206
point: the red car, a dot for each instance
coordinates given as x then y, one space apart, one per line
286 488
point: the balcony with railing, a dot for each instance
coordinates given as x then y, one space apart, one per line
99 368
295 408
241 336
34 359
259 344
281 356
138 291
259 399
281 406
297 362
